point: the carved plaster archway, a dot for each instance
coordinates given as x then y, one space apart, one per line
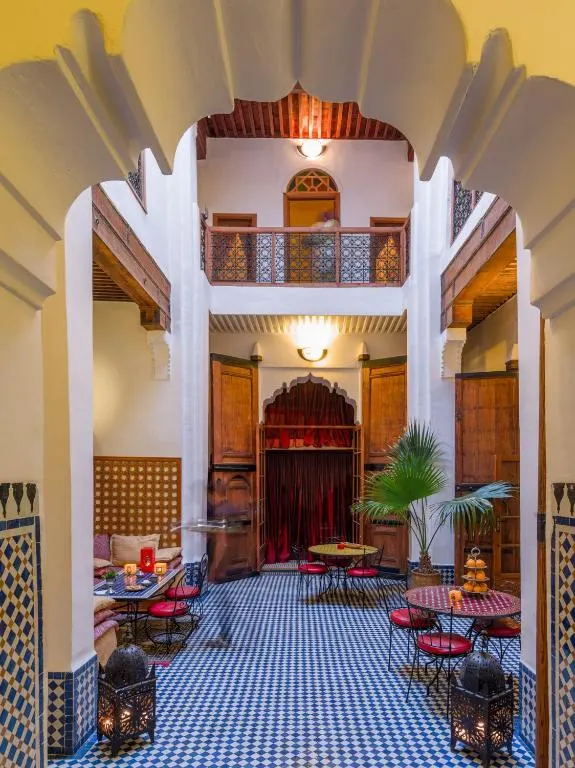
89 91
314 380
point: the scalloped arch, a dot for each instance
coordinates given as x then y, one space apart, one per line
314 380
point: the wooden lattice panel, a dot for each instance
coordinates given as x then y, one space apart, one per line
138 496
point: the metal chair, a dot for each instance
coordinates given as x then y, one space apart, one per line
398 612
360 575
181 611
501 630
307 571
438 646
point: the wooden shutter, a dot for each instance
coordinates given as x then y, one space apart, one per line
234 411
384 415
384 406
487 449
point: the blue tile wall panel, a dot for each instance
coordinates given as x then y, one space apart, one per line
71 708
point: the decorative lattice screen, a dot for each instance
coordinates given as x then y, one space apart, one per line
137 496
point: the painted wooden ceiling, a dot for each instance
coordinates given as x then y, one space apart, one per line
297 116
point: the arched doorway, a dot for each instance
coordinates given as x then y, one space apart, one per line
309 440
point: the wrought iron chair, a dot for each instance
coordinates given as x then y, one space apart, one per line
398 612
181 611
359 575
438 646
307 571
501 630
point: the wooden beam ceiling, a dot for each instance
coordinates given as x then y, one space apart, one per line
297 116
122 268
483 274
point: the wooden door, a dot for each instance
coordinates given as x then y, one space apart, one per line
234 415
310 257
487 449
383 248
384 416
260 519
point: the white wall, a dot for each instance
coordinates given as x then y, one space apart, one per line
282 364
149 224
250 176
21 411
490 344
134 414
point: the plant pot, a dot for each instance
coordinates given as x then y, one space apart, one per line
419 578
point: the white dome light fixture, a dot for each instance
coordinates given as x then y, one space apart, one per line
312 337
311 148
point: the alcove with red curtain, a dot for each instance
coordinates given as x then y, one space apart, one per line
309 440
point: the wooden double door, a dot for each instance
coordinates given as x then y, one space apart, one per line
237 464
487 449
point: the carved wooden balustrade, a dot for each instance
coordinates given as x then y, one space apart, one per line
307 256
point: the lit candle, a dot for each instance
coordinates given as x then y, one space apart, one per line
130 569
160 569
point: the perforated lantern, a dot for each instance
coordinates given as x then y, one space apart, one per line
126 697
482 706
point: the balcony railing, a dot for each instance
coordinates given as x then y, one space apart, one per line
309 256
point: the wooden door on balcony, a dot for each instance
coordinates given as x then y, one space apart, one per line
234 415
235 257
487 449
384 417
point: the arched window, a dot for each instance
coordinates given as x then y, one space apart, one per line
312 180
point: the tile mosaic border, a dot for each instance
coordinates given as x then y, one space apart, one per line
21 588
527 706
72 708
562 641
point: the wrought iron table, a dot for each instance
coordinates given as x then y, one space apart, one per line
494 605
347 554
132 599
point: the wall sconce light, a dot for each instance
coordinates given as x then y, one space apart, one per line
257 354
363 352
312 338
311 148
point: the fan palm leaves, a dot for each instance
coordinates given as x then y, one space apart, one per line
415 473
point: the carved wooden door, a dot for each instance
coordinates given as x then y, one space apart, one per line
487 449
384 417
234 411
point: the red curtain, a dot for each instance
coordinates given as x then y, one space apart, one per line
311 405
309 494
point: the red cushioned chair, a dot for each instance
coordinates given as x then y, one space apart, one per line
362 575
398 611
308 571
438 646
172 620
502 630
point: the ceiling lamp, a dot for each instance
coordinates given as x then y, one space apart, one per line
311 148
312 338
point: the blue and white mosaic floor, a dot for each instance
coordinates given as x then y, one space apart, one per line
301 686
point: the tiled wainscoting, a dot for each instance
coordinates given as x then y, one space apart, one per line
447 571
563 642
21 661
527 716
71 708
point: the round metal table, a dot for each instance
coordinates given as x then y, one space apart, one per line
494 605
346 554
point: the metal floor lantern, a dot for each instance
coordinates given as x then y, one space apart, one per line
126 697
482 706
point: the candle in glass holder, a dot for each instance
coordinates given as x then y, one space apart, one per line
130 569
160 569
455 596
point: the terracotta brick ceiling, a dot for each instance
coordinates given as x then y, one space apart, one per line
297 116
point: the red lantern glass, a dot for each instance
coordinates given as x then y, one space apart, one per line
147 559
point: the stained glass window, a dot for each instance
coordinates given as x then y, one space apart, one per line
312 180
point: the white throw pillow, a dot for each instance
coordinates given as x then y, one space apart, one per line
167 554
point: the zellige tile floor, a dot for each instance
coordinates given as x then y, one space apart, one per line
301 685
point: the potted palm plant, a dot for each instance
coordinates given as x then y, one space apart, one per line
403 489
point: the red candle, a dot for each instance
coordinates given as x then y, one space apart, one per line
147 559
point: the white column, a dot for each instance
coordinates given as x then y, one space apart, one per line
431 399
68 448
191 313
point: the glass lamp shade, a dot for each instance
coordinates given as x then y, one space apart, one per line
160 569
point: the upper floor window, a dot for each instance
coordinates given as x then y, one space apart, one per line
137 181
312 180
464 201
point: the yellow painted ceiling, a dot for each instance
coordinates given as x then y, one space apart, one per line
541 30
